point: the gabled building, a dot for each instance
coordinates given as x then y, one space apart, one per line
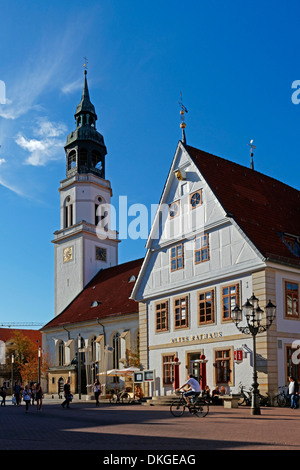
101 324
222 232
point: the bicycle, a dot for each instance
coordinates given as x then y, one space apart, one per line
120 397
282 399
199 407
246 396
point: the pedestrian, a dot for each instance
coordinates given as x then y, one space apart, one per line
3 393
67 394
17 390
293 391
39 396
33 391
27 397
97 391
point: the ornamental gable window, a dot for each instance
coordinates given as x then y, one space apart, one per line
196 199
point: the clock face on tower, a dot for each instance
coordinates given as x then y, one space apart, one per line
100 253
68 254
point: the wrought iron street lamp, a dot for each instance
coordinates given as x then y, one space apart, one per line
79 366
255 324
12 374
39 356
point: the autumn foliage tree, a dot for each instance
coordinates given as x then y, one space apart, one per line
26 359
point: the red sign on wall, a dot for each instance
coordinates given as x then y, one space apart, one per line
238 355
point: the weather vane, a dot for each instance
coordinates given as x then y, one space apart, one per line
183 110
252 147
85 63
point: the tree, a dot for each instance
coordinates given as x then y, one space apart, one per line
132 358
26 360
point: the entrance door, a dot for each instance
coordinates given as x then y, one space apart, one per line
194 365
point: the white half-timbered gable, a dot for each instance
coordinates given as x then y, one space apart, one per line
211 245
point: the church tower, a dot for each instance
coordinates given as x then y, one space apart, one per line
85 195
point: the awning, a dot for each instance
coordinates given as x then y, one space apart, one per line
118 372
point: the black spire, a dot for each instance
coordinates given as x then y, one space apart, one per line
85 148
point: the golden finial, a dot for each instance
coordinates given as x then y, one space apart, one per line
85 64
183 110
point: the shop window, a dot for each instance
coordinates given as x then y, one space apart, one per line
201 249
168 369
161 316
181 312
230 298
206 307
177 257
291 299
223 366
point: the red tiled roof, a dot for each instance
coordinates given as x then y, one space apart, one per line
111 288
262 206
34 335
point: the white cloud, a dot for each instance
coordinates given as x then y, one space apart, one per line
2 160
45 149
71 87
13 188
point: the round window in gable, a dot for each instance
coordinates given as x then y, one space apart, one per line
196 199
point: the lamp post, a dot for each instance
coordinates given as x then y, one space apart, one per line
254 318
79 366
39 356
12 374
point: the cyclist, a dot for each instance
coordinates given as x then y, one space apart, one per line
194 389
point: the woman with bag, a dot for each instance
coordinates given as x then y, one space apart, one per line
27 397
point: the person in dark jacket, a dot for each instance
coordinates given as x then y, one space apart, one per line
67 394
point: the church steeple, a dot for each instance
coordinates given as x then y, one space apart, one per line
85 148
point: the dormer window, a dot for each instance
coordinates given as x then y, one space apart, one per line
292 242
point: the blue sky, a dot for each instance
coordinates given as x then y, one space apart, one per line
234 62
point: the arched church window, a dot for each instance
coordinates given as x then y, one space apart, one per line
93 349
96 159
61 353
117 350
68 213
72 160
83 157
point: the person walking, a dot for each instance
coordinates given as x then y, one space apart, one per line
27 397
39 396
33 391
97 391
17 391
293 391
3 393
67 394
